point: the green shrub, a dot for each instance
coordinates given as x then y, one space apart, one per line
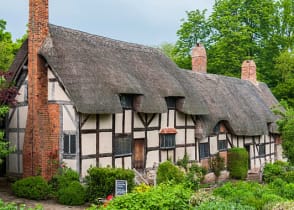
163 196
237 163
223 205
63 178
248 193
184 162
217 164
141 188
273 171
167 171
282 188
101 181
288 176
73 194
35 187
194 176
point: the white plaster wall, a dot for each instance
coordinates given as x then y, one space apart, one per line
248 140
171 154
105 121
50 74
191 152
13 121
118 162
204 140
128 121
137 121
90 123
118 123
180 152
190 121
59 94
105 161
139 135
213 145
163 155
68 124
279 152
105 142
20 97
163 120
71 163
21 140
180 136
152 157
180 119
128 162
154 122
21 163
223 137
23 111
171 119
86 164
13 139
190 136
13 168
88 144
152 139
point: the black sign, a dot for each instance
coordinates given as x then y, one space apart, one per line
121 187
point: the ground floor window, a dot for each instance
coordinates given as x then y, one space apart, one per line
203 150
167 141
123 145
69 143
261 150
222 145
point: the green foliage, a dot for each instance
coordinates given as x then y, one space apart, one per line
184 162
163 196
14 206
282 188
202 196
35 188
167 171
141 188
194 176
63 178
237 163
217 164
286 128
223 205
73 194
247 193
101 181
276 170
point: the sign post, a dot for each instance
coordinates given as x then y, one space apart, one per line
121 187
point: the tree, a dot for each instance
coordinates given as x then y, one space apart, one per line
286 128
7 98
192 31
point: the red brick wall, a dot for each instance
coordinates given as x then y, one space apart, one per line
199 59
249 71
39 145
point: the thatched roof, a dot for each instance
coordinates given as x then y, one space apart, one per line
94 70
233 101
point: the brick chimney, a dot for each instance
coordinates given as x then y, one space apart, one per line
40 148
249 71
199 59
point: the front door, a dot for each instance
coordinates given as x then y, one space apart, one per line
139 153
247 147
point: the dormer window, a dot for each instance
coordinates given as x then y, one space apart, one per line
171 102
126 101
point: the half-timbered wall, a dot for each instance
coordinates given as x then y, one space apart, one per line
16 124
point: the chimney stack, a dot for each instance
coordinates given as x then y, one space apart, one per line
38 148
249 71
199 59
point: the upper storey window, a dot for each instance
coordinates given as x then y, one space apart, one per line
126 100
171 102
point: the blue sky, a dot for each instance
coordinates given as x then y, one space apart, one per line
149 22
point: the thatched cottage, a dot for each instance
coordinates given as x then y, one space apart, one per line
87 100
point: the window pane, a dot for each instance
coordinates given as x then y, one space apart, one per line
72 144
126 101
123 145
222 144
170 102
261 149
167 141
66 143
203 150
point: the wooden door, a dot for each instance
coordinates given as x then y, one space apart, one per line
139 153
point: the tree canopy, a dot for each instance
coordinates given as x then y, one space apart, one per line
237 30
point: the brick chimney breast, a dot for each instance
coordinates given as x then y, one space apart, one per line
199 59
249 71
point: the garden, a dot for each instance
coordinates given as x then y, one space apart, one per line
179 186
